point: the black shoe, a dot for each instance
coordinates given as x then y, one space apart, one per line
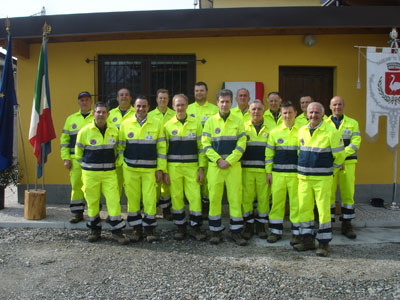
94 235
216 237
76 218
238 239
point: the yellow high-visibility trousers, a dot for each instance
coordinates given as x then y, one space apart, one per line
77 204
320 191
184 182
346 179
283 185
140 184
95 183
163 195
232 178
120 177
255 185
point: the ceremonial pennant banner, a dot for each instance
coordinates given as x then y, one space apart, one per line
256 89
383 93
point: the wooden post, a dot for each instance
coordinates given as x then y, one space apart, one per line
35 204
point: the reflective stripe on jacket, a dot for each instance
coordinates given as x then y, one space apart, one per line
142 146
70 131
95 152
351 136
184 141
321 152
282 149
254 156
224 139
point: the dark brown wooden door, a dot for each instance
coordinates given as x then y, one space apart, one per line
314 81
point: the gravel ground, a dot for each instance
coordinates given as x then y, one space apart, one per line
61 264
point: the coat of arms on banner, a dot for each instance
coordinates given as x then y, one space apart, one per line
383 93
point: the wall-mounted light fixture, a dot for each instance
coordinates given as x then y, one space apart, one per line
309 40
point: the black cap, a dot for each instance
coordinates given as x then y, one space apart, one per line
84 94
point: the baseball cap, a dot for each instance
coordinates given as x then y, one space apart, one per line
84 94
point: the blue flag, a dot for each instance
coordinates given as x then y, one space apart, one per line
7 101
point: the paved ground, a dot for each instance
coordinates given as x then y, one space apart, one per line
47 259
373 225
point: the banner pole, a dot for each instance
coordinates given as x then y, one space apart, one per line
394 205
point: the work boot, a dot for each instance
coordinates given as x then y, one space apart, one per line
216 237
323 249
248 231
261 231
137 234
151 235
296 239
347 229
238 239
118 236
167 213
273 238
205 207
180 234
76 218
307 243
197 234
94 235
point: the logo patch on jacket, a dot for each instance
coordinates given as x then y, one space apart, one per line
115 119
193 115
74 126
280 141
93 142
302 142
111 140
130 135
217 130
346 131
174 132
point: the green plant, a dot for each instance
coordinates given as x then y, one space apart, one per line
10 176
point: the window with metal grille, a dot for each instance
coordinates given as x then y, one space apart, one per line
144 75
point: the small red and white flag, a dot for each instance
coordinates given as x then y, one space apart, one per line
256 89
41 130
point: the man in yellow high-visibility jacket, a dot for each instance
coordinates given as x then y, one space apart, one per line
272 116
224 142
281 165
163 113
321 154
186 160
350 132
242 108
70 131
142 153
301 119
124 111
254 177
96 150
201 109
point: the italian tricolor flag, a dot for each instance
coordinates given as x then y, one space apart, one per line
41 131
256 89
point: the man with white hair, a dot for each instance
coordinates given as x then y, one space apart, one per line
321 154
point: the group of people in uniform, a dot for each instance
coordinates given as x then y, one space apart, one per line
261 157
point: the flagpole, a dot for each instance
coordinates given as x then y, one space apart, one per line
23 149
8 29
